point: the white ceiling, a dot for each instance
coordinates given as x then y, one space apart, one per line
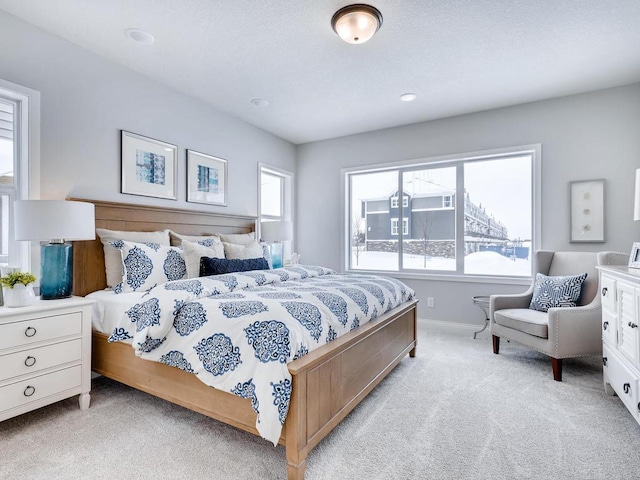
459 56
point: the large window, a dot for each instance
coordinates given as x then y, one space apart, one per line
276 198
471 215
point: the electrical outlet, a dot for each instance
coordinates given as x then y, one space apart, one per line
430 302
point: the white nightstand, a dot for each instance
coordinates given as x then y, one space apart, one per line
45 354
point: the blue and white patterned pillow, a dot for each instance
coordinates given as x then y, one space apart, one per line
550 292
145 265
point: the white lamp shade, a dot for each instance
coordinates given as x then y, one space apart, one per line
636 203
278 231
54 219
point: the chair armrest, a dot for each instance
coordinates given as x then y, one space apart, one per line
516 300
576 331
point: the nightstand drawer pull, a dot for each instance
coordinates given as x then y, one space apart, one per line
604 291
29 391
30 332
605 325
626 387
604 361
30 361
632 325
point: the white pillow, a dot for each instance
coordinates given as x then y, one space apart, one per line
146 265
193 251
113 258
242 251
251 250
238 238
178 238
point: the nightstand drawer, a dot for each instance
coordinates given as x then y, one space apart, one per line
35 359
20 393
39 329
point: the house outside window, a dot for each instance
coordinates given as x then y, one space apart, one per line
472 214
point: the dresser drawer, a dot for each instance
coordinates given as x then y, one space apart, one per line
35 359
608 293
623 381
609 327
39 329
26 391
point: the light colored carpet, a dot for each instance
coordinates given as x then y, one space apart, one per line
456 411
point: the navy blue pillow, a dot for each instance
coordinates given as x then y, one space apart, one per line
217 266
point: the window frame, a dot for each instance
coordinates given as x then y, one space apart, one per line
286 202
457 160
405 225
26 185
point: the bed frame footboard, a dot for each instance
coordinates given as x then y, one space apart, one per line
329 382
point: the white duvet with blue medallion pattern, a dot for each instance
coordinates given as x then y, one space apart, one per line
237 332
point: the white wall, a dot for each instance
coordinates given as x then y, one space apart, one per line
588 136
86 100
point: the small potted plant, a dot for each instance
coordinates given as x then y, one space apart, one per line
17 288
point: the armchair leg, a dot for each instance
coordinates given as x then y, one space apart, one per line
496 344
556 365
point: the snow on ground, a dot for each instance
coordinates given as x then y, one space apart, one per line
479 263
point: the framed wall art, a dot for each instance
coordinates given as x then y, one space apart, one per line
634 258
587 211
206 179
149 166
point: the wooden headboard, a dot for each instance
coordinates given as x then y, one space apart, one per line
88 256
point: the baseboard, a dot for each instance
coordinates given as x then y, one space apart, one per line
466 326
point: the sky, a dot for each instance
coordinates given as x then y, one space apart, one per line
502 186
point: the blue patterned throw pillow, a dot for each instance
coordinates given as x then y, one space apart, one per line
550 292
146 265
217 266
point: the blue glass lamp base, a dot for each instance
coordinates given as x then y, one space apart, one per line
56 267
276 250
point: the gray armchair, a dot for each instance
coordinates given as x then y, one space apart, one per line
561 332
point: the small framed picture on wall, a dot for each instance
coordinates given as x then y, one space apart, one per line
206 179
634 258
149 166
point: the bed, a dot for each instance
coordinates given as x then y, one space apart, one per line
327 383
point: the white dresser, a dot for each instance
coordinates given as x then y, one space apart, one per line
45 354
620 292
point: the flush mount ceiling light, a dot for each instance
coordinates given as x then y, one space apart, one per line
356 23
140 36
408 97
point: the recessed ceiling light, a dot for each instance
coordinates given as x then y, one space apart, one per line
408 97
259 102
140 36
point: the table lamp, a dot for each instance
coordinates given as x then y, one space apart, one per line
275 233
55 221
